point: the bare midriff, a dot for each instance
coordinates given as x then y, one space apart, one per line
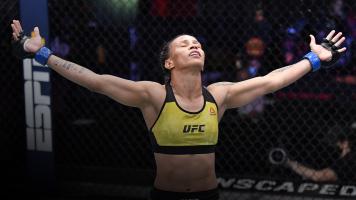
185 173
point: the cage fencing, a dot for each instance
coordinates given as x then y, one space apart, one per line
99 140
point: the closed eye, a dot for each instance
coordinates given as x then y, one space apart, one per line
185 43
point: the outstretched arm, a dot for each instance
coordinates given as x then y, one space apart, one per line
233 95
124 91
241 93
326 174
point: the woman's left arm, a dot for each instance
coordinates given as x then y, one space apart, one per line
234 95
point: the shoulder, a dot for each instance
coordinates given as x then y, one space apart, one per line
219 91
156 92
153 88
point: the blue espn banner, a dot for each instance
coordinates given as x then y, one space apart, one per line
37 89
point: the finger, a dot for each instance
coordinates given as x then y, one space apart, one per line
339 42
336 38
312 40
15 30
18 25
341 50
36 31
15 37
15 26
330 35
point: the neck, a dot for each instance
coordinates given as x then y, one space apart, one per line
186 84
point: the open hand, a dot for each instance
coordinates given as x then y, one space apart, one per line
32 44
323 53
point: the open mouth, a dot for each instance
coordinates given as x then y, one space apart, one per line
195 54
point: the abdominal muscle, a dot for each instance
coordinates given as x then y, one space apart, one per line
185 173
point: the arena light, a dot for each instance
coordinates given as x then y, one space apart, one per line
123 9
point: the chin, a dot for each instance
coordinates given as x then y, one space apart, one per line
197 64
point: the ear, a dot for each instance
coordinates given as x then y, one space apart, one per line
168 64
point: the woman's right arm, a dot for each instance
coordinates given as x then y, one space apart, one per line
124 91
130 93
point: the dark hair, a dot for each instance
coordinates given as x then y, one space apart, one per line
164 55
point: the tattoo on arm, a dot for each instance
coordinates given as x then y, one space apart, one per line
282 69
70 66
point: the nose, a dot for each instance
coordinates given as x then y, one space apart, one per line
193 46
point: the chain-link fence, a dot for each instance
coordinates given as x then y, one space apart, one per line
12 120
242 39
99 140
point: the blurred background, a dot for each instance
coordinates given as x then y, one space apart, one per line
99 148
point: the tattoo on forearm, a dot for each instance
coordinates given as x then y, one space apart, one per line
282 69
70 66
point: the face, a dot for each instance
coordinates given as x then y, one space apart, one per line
342 144
185 53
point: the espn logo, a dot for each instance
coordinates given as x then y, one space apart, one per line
196 128
38 106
